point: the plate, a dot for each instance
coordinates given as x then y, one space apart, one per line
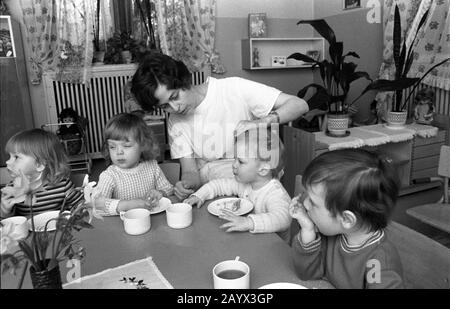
42 219
215 207
163 204
283 286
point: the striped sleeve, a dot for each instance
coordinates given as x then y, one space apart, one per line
54 195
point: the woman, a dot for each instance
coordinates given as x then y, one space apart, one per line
205 118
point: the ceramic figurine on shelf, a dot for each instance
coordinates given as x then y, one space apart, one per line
424 106
255 57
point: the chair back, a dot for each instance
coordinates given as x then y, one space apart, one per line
444 169
171 170
426 263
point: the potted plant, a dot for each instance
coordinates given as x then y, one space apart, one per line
120 47
45 248
99 52
336 74
403 59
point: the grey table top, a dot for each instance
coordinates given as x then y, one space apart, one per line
186 256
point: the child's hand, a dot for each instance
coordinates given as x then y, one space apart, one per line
235 223
297 211
153 198
182 190
194 200
7 203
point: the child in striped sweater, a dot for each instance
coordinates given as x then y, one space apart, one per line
258 162
38 165
134 180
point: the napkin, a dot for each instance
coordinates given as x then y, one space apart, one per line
140 274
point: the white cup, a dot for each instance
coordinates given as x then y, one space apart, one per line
20 226
179 215
231 274
136 221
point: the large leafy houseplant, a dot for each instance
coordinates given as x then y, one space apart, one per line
120 42
403 59
337 75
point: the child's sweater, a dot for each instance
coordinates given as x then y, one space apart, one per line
372 265
271 203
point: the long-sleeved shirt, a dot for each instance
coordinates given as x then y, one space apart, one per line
373 265
133 183
271 203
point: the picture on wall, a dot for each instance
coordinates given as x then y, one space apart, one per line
351 4
257 25
6 37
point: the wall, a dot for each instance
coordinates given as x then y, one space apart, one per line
282 16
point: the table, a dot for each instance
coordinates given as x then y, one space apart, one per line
187 256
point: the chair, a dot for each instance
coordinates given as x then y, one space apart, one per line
438 214
171 170
426 263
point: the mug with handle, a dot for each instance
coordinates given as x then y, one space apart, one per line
136 221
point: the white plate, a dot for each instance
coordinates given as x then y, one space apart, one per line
41 219
164 203
216 207
283 286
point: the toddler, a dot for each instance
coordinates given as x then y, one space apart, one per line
349 197
134 180
258 162
37 163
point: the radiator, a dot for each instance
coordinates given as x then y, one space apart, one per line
442 99
98 102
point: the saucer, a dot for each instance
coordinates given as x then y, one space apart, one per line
215 207
163 204
328 133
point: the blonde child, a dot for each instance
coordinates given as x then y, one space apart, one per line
134 180
349 197
258 162
38 162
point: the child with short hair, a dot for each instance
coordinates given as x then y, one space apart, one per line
349 197
38 162
134 180
258 162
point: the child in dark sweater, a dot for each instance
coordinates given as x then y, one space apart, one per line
349 197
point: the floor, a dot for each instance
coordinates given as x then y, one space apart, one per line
399 215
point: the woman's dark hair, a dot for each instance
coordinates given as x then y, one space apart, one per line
124 126
356 180
155 68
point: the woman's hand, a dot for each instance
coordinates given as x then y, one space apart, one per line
183 189
235 223
194 200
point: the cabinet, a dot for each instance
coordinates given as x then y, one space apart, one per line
269 47
416 160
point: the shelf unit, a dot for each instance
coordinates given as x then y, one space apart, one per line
268 47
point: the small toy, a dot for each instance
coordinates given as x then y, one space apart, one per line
424 106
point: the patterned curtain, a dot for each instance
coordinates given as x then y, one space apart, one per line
39 18
408 10
434 45
75 40
187 32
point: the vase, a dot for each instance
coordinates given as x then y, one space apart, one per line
46 279
337 124
396 120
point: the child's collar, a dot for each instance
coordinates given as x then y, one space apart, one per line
374 238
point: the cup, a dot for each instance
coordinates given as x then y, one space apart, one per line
231 274
136 221
179 215
20 226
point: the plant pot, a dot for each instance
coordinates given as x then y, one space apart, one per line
126 56
397 120
46 279
337 124
98 57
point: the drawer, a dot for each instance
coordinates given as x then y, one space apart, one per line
425 163
430 172
426 151
439 138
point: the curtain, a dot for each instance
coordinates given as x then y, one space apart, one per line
434 44
75 25
143 23
39 18
187 32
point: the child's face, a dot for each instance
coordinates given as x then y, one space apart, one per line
19 163
246 169
319 214
124 154
68 119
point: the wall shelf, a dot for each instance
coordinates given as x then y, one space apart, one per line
268 47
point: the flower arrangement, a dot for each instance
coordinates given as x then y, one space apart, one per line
44 249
